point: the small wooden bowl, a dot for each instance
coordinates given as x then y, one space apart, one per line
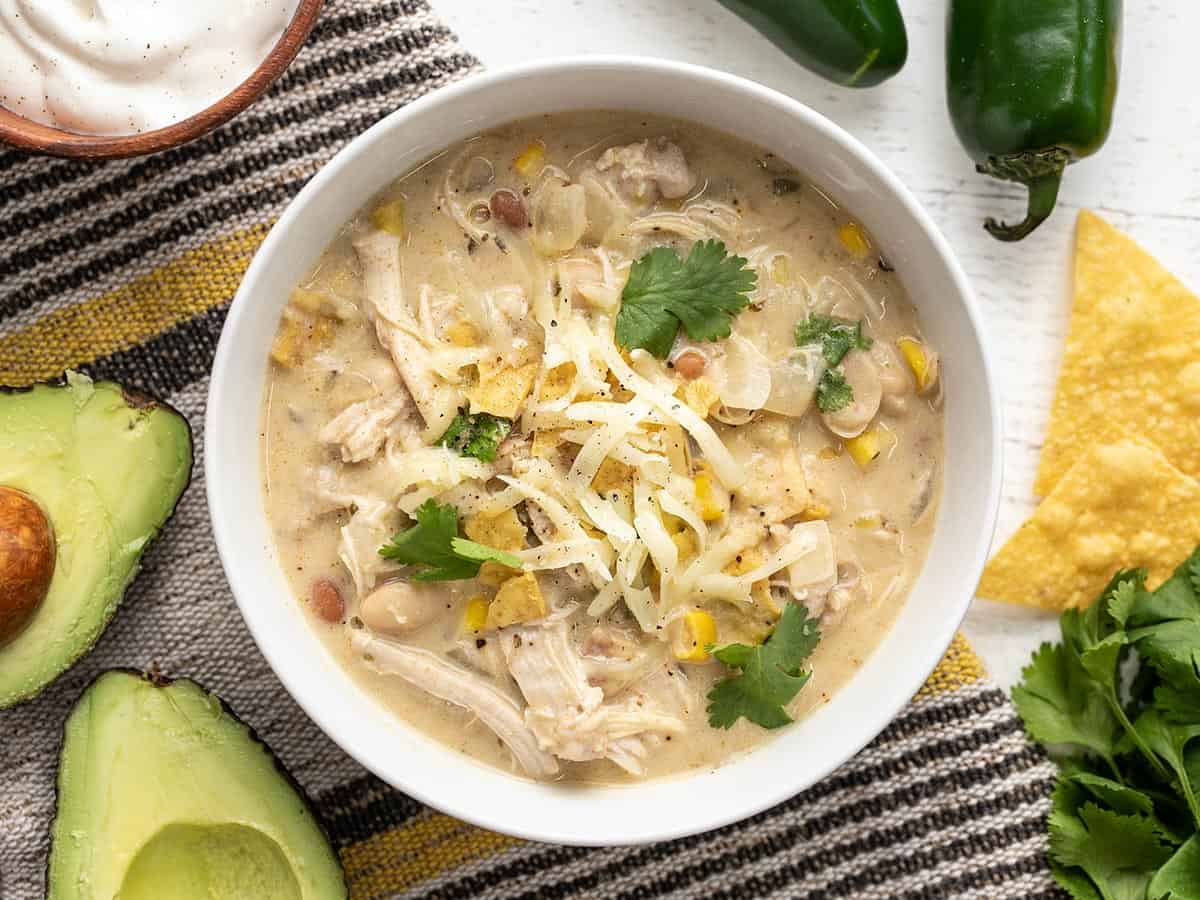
38 138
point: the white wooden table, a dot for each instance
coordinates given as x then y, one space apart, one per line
1146 181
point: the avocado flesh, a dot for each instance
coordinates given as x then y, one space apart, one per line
164 794
107 473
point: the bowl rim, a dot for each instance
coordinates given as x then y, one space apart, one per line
499 818
37 137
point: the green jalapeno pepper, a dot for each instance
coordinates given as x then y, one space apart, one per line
1031 85
856 43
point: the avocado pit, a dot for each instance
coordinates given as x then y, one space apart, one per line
26 560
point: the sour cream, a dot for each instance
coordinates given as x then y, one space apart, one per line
113 67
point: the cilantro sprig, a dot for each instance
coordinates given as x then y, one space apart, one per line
476 435
833 392
434 545
769 675
836 337
702 293
1117 704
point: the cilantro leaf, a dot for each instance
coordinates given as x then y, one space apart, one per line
1179 878
1169 741
769 675
1119 853
1075 882
434 545
837 337
1165 624
483 553
833 393
1119 797
1059 704
703 293
476 435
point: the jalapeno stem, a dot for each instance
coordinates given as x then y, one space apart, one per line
1043 192
1041 173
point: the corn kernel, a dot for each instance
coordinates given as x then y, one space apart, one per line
917 358
475 616
699 631
529 163
864 448
869 522
852 238
462 334
814 511
710 508
389 217
781 270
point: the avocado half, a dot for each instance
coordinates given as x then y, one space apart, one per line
105 466
164 794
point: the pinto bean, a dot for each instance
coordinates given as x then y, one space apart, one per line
690 364
509 209
327 601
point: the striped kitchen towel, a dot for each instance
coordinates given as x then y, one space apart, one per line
126 269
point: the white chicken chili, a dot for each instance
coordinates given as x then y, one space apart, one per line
600 446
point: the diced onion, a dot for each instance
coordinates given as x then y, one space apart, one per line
742 375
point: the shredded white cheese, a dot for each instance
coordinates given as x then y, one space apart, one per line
726 468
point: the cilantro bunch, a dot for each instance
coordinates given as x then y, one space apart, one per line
768 675
1117 705
434 546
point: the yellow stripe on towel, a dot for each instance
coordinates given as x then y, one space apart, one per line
958 668
421 849
122 318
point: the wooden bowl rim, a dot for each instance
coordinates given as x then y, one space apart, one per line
26 134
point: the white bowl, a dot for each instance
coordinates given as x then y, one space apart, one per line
799 756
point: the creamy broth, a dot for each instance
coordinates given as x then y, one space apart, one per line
439 297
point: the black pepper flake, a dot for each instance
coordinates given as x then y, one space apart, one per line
480 643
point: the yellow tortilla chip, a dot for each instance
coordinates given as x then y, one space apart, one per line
1132 356
502 389
1122 505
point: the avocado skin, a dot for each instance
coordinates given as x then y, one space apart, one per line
78 608
321 877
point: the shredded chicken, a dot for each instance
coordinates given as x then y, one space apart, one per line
443 679
361 428
646 169
568 715
614 660
437 400
368 529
